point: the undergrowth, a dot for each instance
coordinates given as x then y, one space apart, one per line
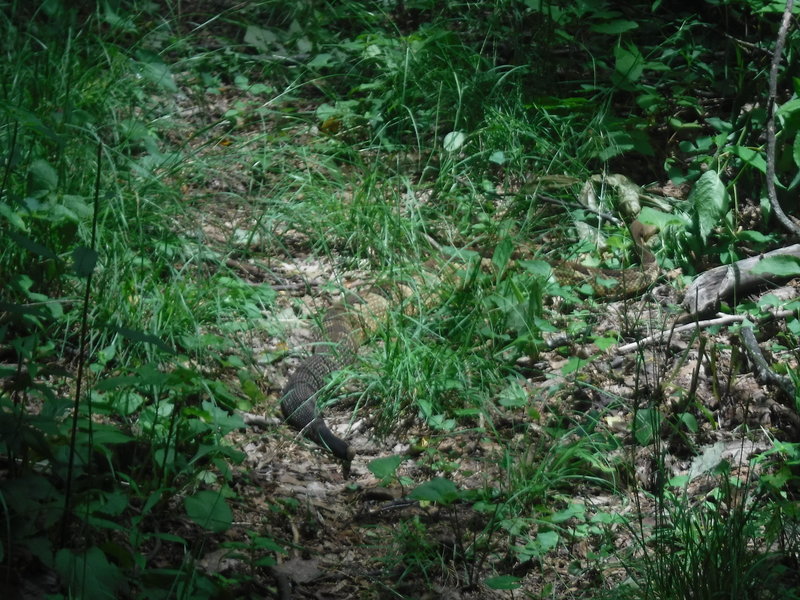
160 170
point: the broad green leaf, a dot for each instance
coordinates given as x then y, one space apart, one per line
89 575
126 403
603 343
118 21
793 325
539 546
326 111
540 268
614 27
119 381
440 421
679 481
386 467
646 425
152 500
544 325
710 459
12 216
778 479
768 301
321 60
575 510
438 490
224 421
266 561
150 375
104 434
513 396
750 156
43 175
607 518
158 73
676 123
783 265
689 420
140 336
262 40
629 63
209 510
748 235
574 363
624 141
111 504
29 121
710 201
502 253
547 540
503 582
497 157
720 125
170 537
304 45
76 206
788 109
85 260
268 544
660 219
31 246
796 149
649 101
454 140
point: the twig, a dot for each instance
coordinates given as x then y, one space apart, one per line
577 205
764 374
254 420
558 202
748 45
293 287
259 273
90 256
772 102
719 320
430 239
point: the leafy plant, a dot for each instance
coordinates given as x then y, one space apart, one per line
711 549
144 425
137 292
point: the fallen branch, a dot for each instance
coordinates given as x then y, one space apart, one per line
762 371
771 106
253 420
667 334
706 292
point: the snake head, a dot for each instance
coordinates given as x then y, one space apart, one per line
347 460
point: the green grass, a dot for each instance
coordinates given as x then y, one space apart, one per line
719 547
379 129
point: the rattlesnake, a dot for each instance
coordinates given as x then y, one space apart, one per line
342 334
347 324
344 328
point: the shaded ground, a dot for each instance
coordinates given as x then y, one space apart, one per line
354 537
357 538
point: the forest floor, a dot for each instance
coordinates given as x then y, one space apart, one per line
361 537
611 428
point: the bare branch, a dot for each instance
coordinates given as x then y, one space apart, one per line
666 334
772 102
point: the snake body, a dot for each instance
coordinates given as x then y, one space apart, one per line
343 330
348 323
